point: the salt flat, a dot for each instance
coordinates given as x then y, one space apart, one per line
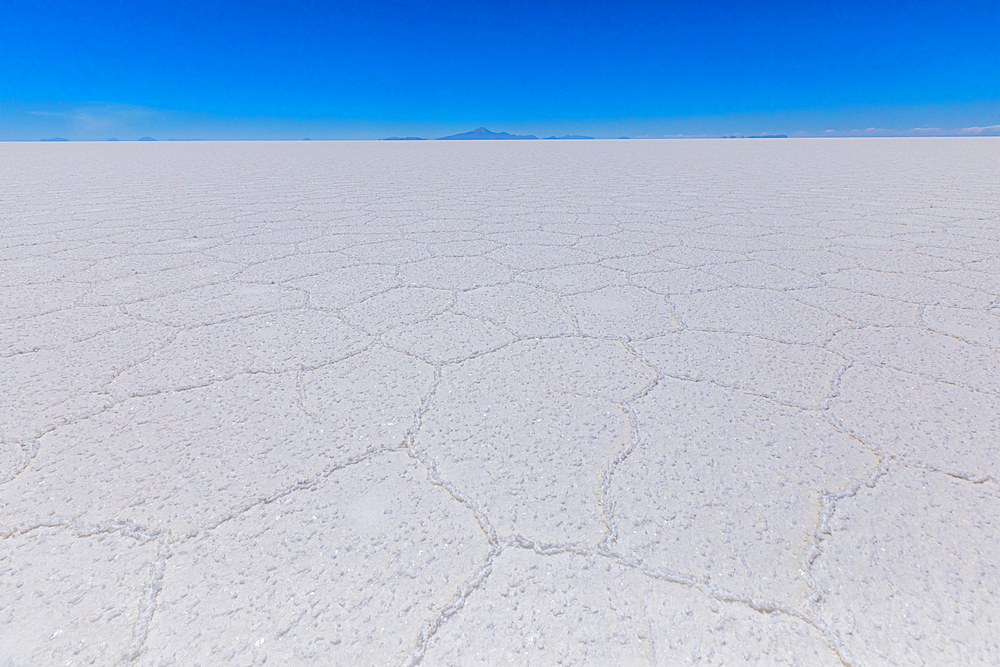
579 403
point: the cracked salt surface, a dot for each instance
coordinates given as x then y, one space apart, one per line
630 403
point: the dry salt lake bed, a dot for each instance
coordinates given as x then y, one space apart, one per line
488 403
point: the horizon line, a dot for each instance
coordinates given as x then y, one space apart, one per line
60 140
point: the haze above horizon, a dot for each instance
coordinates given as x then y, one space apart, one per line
270 70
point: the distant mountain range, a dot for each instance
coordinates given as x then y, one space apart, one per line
54 139
483 133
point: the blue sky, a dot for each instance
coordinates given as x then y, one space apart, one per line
354 70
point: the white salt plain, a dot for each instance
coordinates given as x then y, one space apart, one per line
578 403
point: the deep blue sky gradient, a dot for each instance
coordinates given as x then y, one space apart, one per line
262 69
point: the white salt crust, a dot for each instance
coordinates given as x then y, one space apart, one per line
577 403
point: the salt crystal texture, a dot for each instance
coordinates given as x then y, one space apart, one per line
578 403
